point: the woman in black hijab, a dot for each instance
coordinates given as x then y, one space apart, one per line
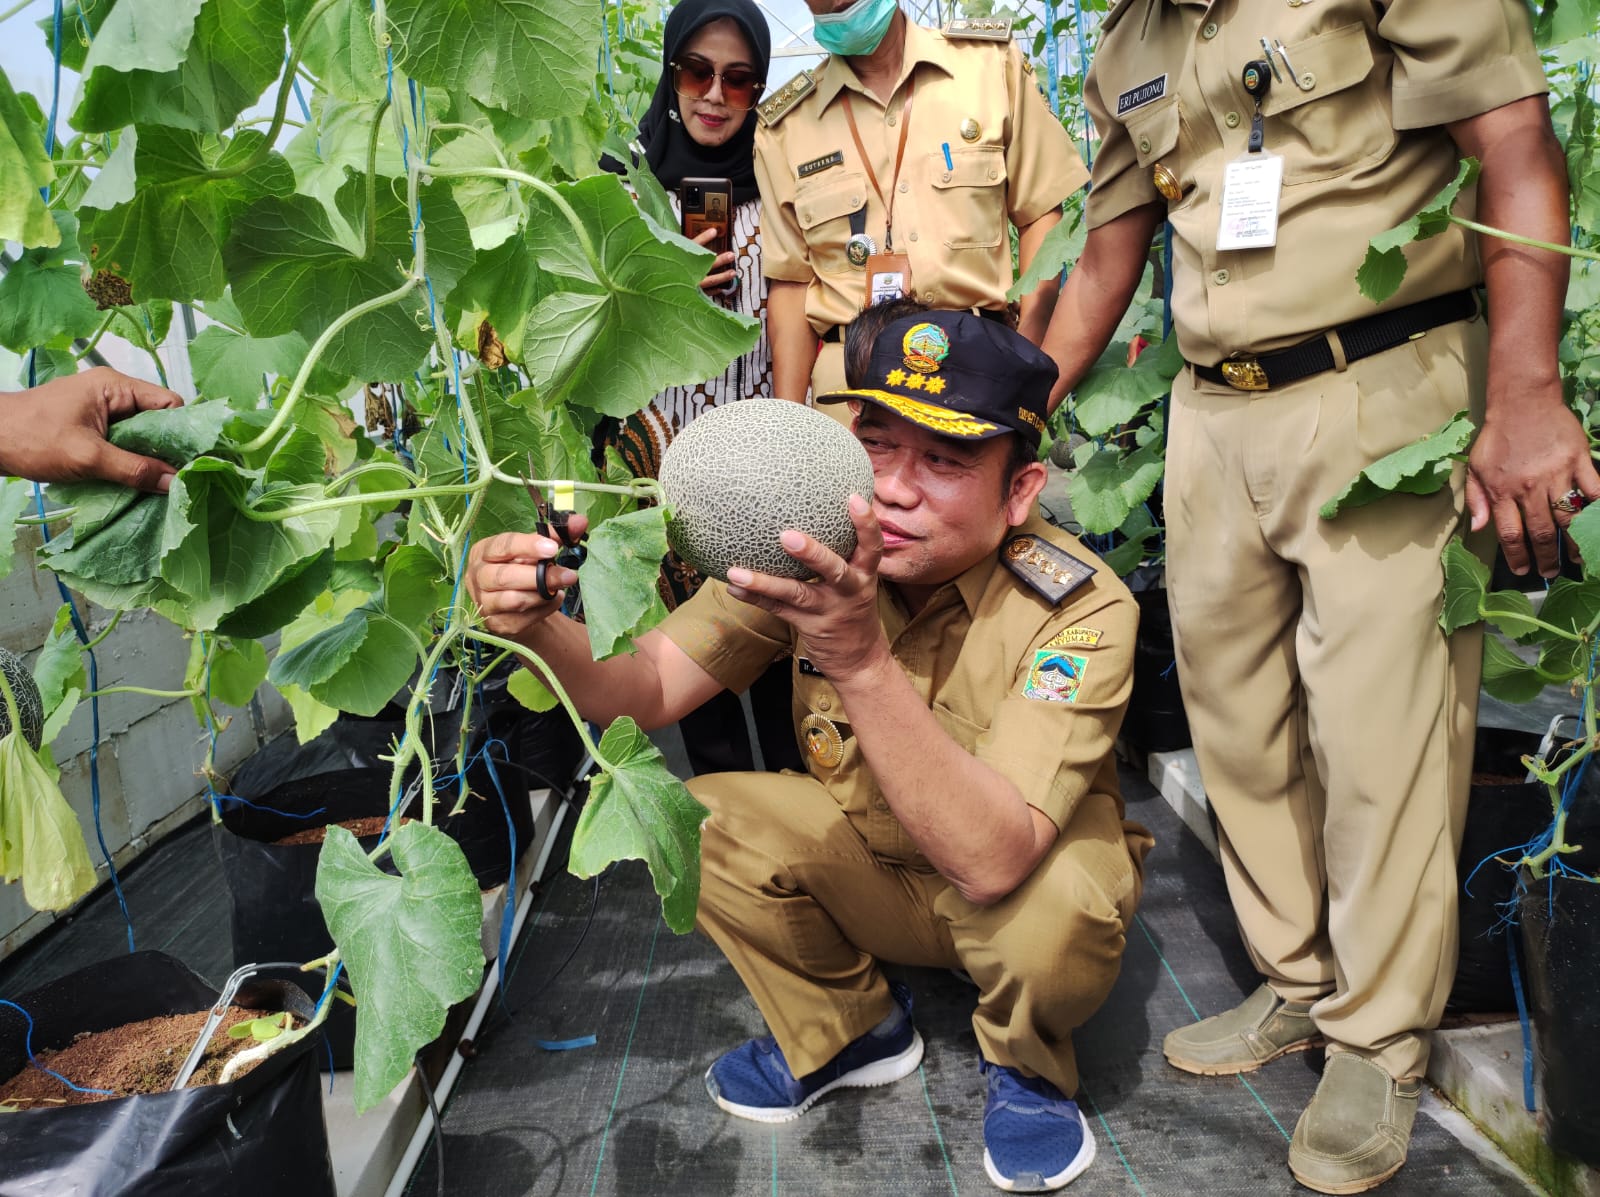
701 124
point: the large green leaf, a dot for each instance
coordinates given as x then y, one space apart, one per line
361 662
629 323
42 300
621 598
1466 581
1585 532
530 57
41 840
336 142
1114 393
340 50
410 944
80 21
504 285
1384 267
160 63
60 673
493 208
1060 248
167 239
1421 468
1511 611
1111 484
1507 676
638 809
16 496
237 668
296 268
1571 606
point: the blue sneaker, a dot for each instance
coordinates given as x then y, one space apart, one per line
1034 1139
753 1080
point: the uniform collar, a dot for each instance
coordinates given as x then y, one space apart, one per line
922 46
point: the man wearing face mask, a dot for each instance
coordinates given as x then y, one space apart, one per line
896 168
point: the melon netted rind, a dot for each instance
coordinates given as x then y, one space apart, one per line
30 706
740 474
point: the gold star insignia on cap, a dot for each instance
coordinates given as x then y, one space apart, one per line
934 386
894 378
915 382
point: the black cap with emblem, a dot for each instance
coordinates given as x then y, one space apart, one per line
959 375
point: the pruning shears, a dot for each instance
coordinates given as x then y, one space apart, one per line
554 522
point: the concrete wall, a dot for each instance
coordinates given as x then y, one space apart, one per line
150 748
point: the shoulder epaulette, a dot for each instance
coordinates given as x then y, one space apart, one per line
983 29
1046 568
1119 9
781 102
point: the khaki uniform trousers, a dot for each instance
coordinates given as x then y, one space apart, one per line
804 910
1332 718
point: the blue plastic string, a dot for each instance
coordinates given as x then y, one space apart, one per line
27 1045
55 86
1052 56
1528 1098
566 1045
508 916
327 990
217 797
1083 73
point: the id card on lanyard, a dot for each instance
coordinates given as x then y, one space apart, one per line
888 273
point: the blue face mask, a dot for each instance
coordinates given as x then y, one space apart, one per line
856 30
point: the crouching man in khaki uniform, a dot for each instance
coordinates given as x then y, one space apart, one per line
959 681
1333 720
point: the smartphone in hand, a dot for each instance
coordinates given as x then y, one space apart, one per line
708 204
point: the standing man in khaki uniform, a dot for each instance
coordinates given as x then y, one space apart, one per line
959 682
1332 718
901 163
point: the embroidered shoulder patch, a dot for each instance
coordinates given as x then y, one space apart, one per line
1088 637
781 102
1055 677
1138 97
1045 568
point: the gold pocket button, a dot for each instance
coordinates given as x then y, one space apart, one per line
1166 183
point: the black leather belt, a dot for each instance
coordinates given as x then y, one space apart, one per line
1360 338
835 333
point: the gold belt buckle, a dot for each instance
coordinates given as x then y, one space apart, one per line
1245 374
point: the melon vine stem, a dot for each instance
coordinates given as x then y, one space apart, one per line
270 432
279 113
372 178
276 1044
544 189
1571 251
550 682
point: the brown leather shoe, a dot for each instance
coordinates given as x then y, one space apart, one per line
1354 1134
1261 1028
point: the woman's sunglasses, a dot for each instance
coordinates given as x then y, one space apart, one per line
693 77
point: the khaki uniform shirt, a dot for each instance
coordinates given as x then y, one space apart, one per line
1018 165
1362 141
1035 691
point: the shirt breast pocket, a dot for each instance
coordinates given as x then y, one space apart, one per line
1155 134
971 196
823 210
1330 118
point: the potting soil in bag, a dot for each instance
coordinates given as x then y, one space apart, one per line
261 1135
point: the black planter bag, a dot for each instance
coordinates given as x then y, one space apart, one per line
1561 948
1499 818
271 886
1156 721
259 1136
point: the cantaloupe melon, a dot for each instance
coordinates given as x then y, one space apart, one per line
740 474
30 707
